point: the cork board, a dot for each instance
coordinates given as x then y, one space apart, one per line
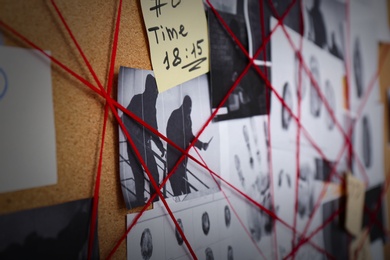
78 110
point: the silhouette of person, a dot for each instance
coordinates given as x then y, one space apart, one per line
179 131
318 24
144 106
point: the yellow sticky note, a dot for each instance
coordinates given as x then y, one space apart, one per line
355 203
359 248
178 40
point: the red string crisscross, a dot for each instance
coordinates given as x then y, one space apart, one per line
112 105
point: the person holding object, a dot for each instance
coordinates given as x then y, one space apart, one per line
179 131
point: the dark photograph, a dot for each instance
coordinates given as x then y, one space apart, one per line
250 23
336 238
228 62
374 214
172 113
55 232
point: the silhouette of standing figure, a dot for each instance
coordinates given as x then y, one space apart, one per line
144 106
179 130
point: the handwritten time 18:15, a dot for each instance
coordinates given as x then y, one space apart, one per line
177 57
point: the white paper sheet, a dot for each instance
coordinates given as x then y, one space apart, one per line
27 136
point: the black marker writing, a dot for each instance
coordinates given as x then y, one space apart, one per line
157 7
172 33
176 4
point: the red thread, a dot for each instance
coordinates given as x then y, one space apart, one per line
374 213
231 205
269 150
98 175
113 102
322 226
298 130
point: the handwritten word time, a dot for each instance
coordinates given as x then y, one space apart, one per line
171 32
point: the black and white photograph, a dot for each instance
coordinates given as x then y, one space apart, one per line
375 206
328 73
284 83
169 113
336 238
322 103
363 56
368 160
252 178
249 97
325 22
54 232
155 236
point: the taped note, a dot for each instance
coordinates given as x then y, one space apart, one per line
359 248
178 40
355 203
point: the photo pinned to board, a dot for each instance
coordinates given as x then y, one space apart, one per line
202 221
23 169
59 231
169 113
228 62
326 20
